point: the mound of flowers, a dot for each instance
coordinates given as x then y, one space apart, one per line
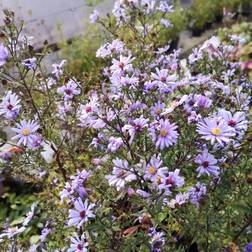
156 159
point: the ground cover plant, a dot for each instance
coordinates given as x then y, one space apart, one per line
156 157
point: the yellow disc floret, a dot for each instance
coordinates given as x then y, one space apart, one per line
152 170
163 132
26 132
216 131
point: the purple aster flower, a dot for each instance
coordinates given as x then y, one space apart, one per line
165 7
116 46
94 17
45 232
114 143
78 182
180 199
10 106
78 244
136 126
195 102
157 240
26 132
166 23
167 134
81 214
121 65
69 90
237 120
121 174
3 54
216 130
172 180
163 80
57 69
29 63
248 247
197 193
154 169
207 164
67 192
157 109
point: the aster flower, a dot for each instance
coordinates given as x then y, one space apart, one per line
154 169
11 232
248 247
207 164
197 193
121 65
216 130
67 192
163 80
94 17
3 54
45 232
166 23
167 134
82 213
26 132
10 106
69 90
195 102
157 109
57 69
237 120
172 180
78 182
114 143
121 174
29 63
137 125
180 199
78 244
165 7
157 240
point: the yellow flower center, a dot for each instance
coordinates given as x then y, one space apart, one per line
152 170
163 133
158 111
26 132
216 131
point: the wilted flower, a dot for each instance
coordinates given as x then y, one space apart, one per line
121 174
136 126
115 143
172 180
197 193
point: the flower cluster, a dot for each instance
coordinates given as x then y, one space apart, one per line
162 137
